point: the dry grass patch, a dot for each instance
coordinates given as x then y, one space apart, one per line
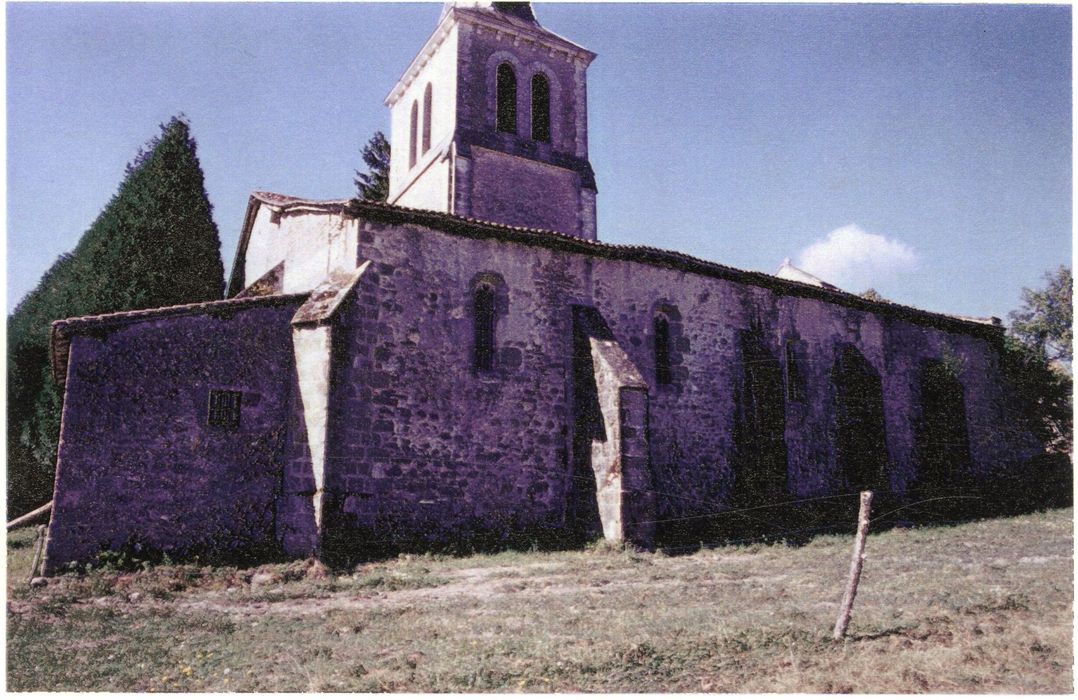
981 607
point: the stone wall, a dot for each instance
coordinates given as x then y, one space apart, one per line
424 443
427 444
137 460
562 435
503 187
482 49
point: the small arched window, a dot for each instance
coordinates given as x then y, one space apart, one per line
540 108
507 99
412 140
795 383
426 118
483 351
662 349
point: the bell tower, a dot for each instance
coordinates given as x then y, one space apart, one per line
490 122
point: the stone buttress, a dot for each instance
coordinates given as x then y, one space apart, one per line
611 407
313 337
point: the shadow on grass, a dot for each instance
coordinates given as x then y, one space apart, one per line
1048 485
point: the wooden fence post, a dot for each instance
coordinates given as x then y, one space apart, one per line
37 551
856 563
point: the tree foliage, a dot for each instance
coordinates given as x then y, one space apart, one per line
1036 359
1042 394
373 185
1045 320
154 244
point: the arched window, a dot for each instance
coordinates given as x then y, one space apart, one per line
483 352
426 118
540 108
860 431
941 433
507 99
759 457
412 141
795 382
662 349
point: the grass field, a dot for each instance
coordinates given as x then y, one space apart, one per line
984 607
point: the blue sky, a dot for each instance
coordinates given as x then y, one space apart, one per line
924 150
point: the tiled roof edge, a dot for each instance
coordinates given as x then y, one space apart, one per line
658 257
61 331
285 201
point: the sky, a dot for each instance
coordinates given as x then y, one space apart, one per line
921 150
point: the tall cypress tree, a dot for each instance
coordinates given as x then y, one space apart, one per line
154 244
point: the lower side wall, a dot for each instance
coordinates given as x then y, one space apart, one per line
138 463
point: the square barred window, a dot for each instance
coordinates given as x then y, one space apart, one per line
224 408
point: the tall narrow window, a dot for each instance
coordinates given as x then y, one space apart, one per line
795 383
426 118
859 429
412 141
662 350
540 108
507 99
484 327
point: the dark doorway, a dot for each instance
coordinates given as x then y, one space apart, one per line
760 470
860 436
942 437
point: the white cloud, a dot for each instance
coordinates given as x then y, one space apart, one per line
853 259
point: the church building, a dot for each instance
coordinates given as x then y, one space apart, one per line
469 360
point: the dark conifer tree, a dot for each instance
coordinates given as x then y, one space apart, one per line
373 185
154 244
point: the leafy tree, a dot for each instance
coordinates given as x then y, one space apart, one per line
872 295
373 185
154 244
1042 394
1036 358
1045 319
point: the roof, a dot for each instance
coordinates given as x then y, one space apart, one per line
476 228
787 271
284 201
520 11
270 283
61 332
326 299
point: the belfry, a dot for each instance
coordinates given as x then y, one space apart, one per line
490 122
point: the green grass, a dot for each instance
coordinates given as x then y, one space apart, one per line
981 607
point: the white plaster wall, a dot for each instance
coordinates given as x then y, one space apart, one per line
430 190
318 243
266 247
312 244
312 346
441 73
